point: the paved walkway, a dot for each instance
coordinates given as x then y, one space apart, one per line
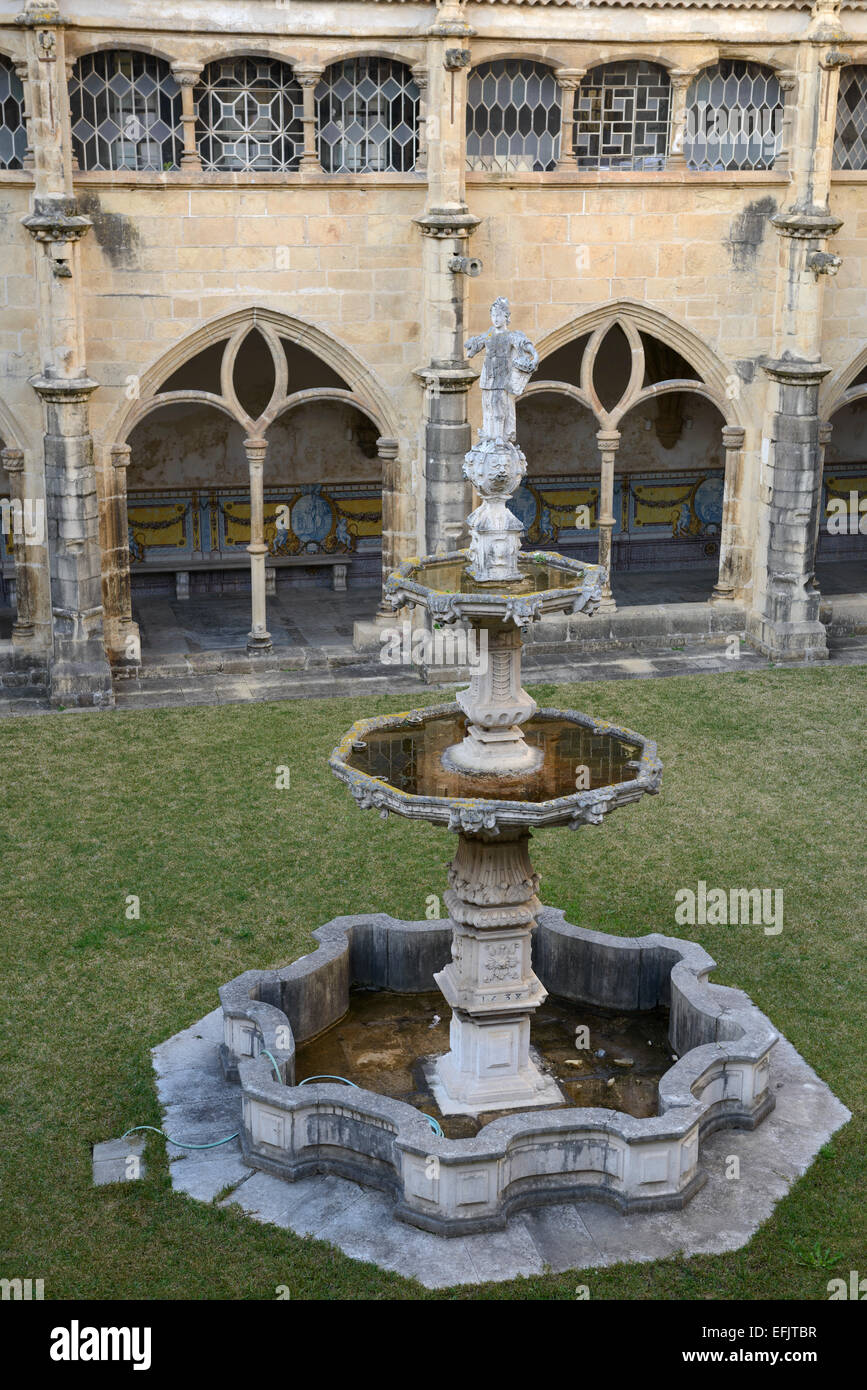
194 651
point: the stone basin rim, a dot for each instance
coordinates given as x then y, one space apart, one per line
451 605
720 1081
582 806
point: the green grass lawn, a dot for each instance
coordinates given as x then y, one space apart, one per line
763 786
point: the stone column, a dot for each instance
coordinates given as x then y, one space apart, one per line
22 73
187 75
734 556
259 639
122 637
784 620
308 80
387 449
788 81
681 79
489 982
609 443
420 78
826 429
569 80
79 672
28 552
446 227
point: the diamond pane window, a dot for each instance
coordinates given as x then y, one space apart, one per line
734 117
367 117
248 116
13 135
850 140
126 112
513 117
621 117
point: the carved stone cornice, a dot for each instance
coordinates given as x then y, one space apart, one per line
807 223
43 15
447 380
64 391
443 223
795 371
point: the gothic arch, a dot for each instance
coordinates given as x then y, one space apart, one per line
365 389
838 389
715 374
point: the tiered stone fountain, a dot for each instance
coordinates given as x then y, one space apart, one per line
491 766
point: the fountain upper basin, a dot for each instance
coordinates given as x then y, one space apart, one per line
394 763
442 585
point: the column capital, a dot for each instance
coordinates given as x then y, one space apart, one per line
56 219
41 14
256 449
120 455
680 78
608 440
387 448
420 74
788 79
795 371
826 429
12 460
187 74
64 391
308 74
570 78
733 436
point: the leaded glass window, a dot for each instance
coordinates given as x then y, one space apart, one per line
13 135
248 115
126 112
621 117
367 117
734 117
850 139
513 117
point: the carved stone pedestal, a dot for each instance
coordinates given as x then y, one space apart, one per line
489 982
497 706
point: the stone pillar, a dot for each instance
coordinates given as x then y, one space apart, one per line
446 227
187 75
734 554
569 80
609 443
79 672
784 620
826 429
308 81
259 639
22 73
420 78
681 78
122 637
387 449
788 81
489 982
30 631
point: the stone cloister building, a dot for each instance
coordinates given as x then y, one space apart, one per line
242 245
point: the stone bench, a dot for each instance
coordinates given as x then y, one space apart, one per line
183 568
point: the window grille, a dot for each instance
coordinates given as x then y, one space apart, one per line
621 117
126 112
734 118
850 140
249 115
367 117
13 134
513 117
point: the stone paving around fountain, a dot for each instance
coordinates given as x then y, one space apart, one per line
198 1103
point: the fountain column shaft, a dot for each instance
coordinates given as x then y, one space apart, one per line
489 982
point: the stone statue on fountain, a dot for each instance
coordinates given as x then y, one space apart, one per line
495 465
